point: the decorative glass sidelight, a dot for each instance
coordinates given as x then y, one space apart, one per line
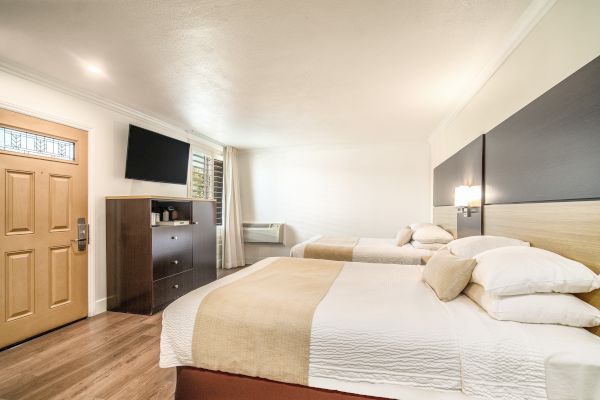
36 144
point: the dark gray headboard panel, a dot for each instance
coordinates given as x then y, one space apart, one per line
463 168
550 149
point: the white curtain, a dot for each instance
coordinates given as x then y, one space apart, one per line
233 242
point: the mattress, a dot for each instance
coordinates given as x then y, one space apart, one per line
374 250
381 331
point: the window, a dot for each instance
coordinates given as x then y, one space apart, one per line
38 145
207 180
201 176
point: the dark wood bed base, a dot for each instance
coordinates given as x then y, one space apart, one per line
202 384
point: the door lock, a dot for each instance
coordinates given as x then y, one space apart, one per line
82 234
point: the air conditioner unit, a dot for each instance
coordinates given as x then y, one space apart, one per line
263 232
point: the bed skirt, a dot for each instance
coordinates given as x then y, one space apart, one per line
202 384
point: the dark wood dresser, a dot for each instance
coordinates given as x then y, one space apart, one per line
150 266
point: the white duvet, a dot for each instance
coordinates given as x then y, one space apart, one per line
373 250
381 331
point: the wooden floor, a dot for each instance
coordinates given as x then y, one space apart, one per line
109 356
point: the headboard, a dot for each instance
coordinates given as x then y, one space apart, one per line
542 172
464 168
571 229
445 216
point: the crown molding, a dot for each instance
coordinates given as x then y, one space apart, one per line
31 75
524 25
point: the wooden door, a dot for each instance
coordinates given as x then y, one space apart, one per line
43 194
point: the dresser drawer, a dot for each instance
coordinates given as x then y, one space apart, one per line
171 288
171 250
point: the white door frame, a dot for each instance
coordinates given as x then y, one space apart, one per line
91 206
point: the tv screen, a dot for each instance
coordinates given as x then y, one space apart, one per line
155 157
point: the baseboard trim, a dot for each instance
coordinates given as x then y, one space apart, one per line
100 306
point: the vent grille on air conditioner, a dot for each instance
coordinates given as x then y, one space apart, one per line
263 232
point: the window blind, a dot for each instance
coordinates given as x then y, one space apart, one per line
201 176
218 188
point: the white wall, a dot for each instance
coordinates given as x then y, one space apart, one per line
564 40
371 190
107 152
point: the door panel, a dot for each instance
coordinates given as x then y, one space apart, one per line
19 285
205 242
60 276
19 202
43 275
60 203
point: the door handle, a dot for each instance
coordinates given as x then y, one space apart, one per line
82 234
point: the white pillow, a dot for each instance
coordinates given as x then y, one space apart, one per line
537 308
427 246
471 246
522 270
432 234
419 225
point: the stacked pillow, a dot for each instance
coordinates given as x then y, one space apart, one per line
527 284
429 236
514 282
470 246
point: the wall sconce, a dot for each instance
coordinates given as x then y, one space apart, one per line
467 199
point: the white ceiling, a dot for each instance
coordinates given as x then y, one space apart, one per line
269 73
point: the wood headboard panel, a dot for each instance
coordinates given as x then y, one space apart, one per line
445 216
571 229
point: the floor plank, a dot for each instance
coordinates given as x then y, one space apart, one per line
107 357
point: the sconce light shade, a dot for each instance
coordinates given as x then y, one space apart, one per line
467 196
461 196
475 196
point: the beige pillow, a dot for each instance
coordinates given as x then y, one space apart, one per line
403 236
448 274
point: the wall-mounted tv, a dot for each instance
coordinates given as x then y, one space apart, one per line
155 157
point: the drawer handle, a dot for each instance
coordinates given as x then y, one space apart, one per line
174 237
175 286
175 262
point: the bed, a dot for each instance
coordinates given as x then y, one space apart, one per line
372 250
365 330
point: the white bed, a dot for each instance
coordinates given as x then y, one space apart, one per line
381 331
373 250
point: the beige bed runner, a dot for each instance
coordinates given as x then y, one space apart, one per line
260 325
331 248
